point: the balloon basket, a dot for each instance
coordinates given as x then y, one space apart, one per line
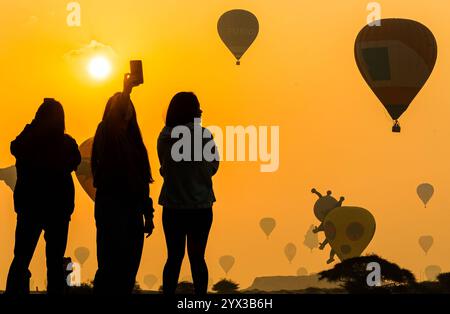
396 128
238 62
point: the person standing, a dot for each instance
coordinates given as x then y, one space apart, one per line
44 196
187 194
122 175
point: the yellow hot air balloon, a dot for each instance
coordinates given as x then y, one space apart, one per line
226 262
396 59
82 254
425 192
290 250
426 242
349 230
267 225
84 172
238 30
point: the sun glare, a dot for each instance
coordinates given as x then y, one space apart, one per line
99 68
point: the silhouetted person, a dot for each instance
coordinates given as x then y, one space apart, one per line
122 175
187 193
43 197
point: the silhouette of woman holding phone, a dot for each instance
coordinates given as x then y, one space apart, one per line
187 194
122 175
44 196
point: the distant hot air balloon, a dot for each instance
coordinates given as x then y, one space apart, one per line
426 242
267 225
238 29
432 272
302 271
425 192
396 59
226 262
290 250
311 239
82 254
149 281
84 173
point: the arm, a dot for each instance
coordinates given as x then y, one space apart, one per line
319 228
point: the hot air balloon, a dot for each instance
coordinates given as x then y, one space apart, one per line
425 192
426 242
267 225
396 59
349 230
432 272
226 262
84 173
149 281
82 254
302 271
311 239
290 250
238 30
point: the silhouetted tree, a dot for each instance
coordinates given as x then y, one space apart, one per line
444 280
226 287
352 274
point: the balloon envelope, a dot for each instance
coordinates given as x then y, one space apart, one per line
238 29
311 239
84 172
426 242
290 250
82 254
396 59
425 192
267 225
149 281
302 271
349 230
226 262
432 272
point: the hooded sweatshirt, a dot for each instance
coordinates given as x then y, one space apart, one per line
187 183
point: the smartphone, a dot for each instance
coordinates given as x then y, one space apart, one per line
136 71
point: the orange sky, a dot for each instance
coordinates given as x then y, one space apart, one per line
299 74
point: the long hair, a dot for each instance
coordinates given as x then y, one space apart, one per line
183 109
50 118
114 115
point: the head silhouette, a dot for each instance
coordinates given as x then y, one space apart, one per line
49 118
183 109
118 115
121 118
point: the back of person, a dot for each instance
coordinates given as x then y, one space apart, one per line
44 164
187 183
43 196
188 164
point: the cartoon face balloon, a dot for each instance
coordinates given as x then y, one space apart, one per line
349 230
84 173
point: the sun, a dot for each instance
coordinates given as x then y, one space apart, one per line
99 68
